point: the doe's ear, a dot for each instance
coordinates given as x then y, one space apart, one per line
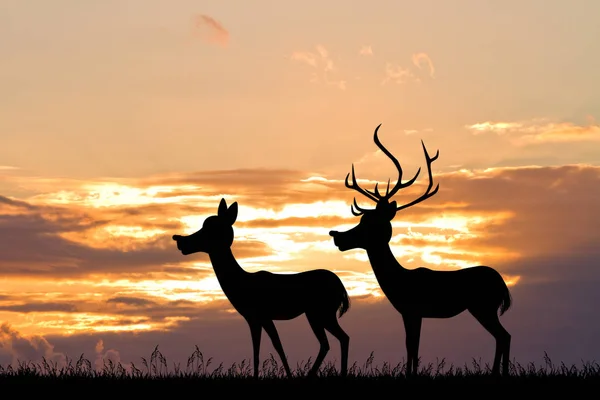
222 208
392 210
232 212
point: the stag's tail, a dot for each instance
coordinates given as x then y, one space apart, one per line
506 299
345 305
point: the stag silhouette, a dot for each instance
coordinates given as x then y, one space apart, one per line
262 297
424 293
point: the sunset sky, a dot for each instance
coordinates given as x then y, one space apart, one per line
123 122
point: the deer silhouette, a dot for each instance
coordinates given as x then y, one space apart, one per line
262 297
424 293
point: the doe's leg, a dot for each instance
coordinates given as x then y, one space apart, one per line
255 332
272 332
316 324
333 326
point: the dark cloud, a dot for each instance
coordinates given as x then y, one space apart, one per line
120 322
5 201
554 208
159 312
133 301
580 264
31 245
39 307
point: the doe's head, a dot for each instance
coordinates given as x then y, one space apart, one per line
216 232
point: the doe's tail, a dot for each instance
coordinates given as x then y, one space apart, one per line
506 299
345 304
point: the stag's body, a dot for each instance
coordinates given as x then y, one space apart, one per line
263 297
424 293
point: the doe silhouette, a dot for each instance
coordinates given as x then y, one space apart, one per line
262 297
424 293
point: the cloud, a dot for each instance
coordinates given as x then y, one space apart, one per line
38 244
15 347
269 200
211 30
535 225
305 57
365 51
401 75
103 358
322 62
539 131
538 225
496 127
420 59
324 54
550 206
398 75
415 131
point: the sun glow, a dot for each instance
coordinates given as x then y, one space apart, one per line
136 232
511 280
311 210
199 291
361 284
49 323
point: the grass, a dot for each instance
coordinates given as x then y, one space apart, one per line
154 372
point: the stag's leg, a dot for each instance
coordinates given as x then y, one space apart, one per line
333 326
412 326
272 332
316 323
255 332
490 321
506 354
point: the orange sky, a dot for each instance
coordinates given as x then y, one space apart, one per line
123 123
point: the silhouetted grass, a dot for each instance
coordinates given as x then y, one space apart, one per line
205 373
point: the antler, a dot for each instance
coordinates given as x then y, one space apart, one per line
376 196
399 185
428 193
360 190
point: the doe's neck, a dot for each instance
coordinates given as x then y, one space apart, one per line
225 264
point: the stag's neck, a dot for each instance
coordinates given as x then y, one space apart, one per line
383 260
226 266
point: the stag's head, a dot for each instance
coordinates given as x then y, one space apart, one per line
375 226
216 232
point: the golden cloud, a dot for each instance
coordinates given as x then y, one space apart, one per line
539 131
92 258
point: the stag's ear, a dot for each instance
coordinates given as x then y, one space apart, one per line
392 210
222 208
231 213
